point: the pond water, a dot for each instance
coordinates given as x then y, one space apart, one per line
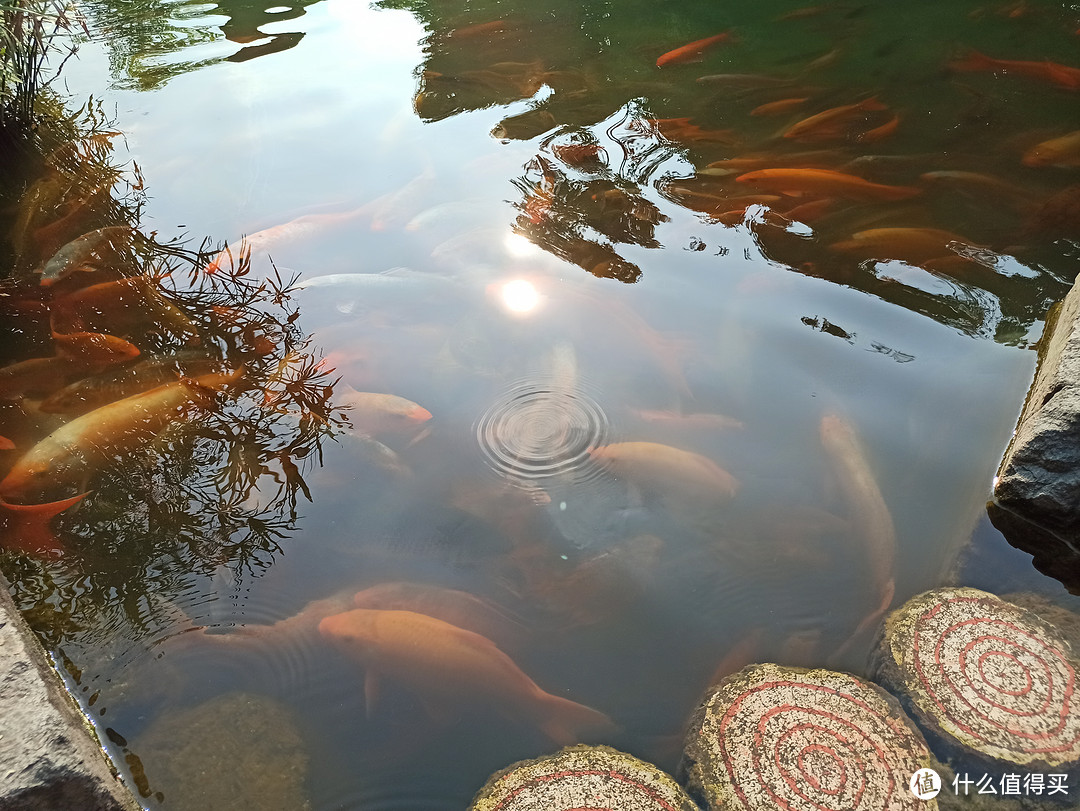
506 214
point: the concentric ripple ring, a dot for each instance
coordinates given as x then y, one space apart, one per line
539 429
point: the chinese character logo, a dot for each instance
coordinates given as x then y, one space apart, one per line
925 784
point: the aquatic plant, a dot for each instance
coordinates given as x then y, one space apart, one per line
32 37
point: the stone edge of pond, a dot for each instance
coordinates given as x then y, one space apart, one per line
1038 481
50 756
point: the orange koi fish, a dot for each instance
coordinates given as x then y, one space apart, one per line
26 526
95 350
480 29
451 669
6 444
37 376
880 133
119 307
680 129
692 52
72 452
811 211
825 182
913 245
1062 76
459 608
779 107
1063 151
834 123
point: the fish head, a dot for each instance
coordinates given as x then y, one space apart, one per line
354 630
27 479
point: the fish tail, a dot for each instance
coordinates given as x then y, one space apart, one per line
26 526
566 722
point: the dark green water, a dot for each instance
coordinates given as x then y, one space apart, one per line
361 140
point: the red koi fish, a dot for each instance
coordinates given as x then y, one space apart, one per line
1061 75
692 52
25 527
6 444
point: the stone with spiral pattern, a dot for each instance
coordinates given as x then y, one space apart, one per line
772 737
597 778
985 678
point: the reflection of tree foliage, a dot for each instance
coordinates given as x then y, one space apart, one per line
559 213
202 484
142 35
220 488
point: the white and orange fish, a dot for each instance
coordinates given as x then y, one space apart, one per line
663 470
871 521
376 414
451 669
72 452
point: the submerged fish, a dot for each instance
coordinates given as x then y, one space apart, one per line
75 450
691 52
379 414
780 106
914 245
121 306
835 123
118 383
825 182
451 669
1061 75
1062 151
102 245
459 608
664 470
690 421
870 519
95 350
37 377
26 526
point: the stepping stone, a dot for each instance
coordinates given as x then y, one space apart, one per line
985 679
772 737
597 778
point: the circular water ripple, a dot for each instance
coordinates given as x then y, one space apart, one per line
539 430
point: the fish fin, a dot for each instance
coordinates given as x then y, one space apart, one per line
27 525
869 622
371 691
566 722
6 444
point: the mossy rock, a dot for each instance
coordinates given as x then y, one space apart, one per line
235 752
578 777
772 737
991 683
